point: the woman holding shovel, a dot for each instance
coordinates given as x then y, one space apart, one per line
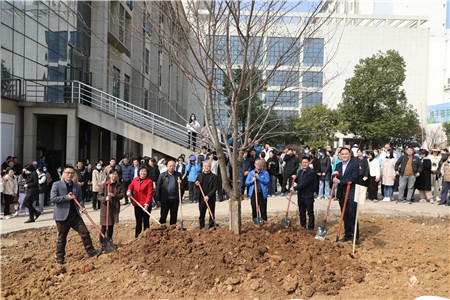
142 189
109 196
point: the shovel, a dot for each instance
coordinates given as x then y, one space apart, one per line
322 231
107 246
258 220
181 209
213 223
343 211
286 222
107 216
146 211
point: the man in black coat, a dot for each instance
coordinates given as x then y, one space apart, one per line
167 193
289 169
306 178
209 183
347 171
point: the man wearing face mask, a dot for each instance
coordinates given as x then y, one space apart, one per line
31 187
193 127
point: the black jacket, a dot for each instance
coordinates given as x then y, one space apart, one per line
31 180
423 182
325 167
153 173
273 166
306 185
364 170
162 192
209 188
401 164
291 166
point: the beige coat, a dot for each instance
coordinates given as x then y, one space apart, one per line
388 172
98 178
445 170
9 185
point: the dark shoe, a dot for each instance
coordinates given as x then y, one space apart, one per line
36 215
29 221
95 253
60 261
345 239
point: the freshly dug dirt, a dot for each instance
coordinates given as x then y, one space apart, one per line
397 258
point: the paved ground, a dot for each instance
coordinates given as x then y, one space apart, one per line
276 207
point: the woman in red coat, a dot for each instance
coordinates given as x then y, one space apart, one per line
142 189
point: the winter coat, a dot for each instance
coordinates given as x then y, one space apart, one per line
324 167
363 170
127 170
31 180
445 171
98 179
114 203
291 166
244 166
423 182
400 165
374 168
263 180
142 191
10 185
306 184
388 172
162 185
194 170
209 188
42 180
273 166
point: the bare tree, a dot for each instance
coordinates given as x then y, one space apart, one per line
435 136
212 39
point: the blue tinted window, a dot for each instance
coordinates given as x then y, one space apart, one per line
311 99
312 79
284 78
313 52
284 50
283 99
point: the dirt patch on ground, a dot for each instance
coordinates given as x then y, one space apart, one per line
398 258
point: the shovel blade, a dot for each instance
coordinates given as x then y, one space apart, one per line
286 222
321 233
108 246
258 221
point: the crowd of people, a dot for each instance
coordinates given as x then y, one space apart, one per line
263 172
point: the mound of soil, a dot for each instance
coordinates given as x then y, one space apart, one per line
269 262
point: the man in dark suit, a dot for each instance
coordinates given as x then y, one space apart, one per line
306 180
167 193
209 184
347 171
67 215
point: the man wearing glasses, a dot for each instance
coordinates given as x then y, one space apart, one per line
67 215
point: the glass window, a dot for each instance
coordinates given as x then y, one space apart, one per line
19 20
19 43
147 24
42 53
31 28
146 99
312 79
7 13
116 82
236 55
283 99
313 52
130 4
285 114
311 99
147 60
30 69
17 69
219 76
284 78
126 88
282 50
7 37
30 49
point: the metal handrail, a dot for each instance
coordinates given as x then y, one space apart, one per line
84 94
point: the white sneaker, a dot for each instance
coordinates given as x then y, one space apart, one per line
431 201
16 213
385 199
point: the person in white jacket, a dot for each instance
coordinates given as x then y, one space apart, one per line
42 180
374 176
98 179
388 175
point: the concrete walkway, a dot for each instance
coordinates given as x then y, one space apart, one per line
276 207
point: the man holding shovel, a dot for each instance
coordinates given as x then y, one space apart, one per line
67 215
209 184
259 179
347 171
306 179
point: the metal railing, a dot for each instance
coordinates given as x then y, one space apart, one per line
132 114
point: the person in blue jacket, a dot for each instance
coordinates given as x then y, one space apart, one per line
193 169
262 179
306 178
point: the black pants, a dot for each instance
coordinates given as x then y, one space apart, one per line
192 191
125 188
28 203
204 210
287 179
262 202
306 206
141 217
110 233
95 202
75 222
8 202
349 217
169 205
372 188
